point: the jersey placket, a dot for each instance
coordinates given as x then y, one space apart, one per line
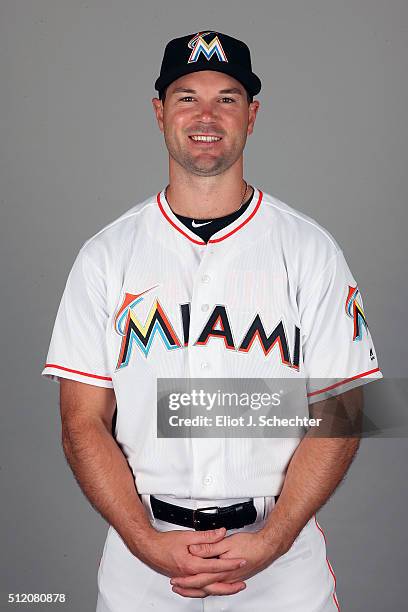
205 361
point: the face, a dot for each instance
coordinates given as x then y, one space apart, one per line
210 104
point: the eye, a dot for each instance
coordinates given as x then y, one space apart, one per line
229 99
186 98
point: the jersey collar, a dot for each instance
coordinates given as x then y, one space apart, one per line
222 234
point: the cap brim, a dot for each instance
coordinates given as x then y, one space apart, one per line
248 79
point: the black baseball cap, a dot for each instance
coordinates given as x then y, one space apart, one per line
207 50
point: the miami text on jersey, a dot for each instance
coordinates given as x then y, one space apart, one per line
218 325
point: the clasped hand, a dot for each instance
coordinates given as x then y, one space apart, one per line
243 546
202 563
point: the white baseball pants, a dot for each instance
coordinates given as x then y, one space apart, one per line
301 580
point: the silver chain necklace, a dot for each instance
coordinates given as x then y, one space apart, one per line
240 205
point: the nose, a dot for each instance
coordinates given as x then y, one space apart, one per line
206 112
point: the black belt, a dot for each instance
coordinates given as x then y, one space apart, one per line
210 517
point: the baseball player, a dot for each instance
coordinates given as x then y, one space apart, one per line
209 278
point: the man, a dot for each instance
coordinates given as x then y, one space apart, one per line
210 278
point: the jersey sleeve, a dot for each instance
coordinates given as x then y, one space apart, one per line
78 347
337 347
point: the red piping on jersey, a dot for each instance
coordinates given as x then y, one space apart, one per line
215 239
243 223
58 367
342 382
329 565
174 225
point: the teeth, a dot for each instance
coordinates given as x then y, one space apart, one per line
206 138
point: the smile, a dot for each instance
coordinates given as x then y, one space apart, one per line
200 138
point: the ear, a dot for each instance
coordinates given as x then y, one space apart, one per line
252 112
158 109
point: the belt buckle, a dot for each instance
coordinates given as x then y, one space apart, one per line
196 520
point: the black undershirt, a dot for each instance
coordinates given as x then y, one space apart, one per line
211 226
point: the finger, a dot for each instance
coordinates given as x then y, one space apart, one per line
217 588
224 588
202 566
199 581
208 536
209 549
189 592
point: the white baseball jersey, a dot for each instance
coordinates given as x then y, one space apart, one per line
269 296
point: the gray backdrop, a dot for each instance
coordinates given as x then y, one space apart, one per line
79 146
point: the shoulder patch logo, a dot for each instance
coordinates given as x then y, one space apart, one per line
199 45
355 311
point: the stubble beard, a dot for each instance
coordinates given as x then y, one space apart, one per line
203 165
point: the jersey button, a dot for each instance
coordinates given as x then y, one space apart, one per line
205 365
206 278
208 480
204 307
